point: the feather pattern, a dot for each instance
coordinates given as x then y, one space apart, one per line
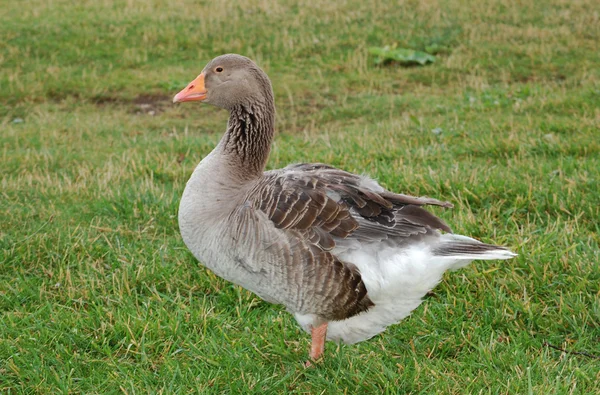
316 199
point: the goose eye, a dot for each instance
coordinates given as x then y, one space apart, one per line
219 69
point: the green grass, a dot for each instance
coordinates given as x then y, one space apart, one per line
97 291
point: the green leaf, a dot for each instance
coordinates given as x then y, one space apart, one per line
402 55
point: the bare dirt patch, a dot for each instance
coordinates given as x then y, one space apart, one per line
151 104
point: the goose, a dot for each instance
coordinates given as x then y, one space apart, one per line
345 256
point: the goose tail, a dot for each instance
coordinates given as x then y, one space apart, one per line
463 248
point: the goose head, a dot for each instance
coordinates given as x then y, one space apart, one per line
229 81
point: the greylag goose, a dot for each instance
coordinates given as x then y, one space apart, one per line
345 256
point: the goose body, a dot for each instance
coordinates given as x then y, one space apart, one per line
344 255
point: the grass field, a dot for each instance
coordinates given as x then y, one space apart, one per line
97 291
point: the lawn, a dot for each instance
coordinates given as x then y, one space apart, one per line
98 293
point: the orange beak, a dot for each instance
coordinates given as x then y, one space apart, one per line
195 91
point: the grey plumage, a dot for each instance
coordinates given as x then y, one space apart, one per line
328 244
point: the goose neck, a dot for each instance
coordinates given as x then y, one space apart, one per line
247 142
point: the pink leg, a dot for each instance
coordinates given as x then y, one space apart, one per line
318 341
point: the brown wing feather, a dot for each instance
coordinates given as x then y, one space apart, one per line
389 214
316 204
